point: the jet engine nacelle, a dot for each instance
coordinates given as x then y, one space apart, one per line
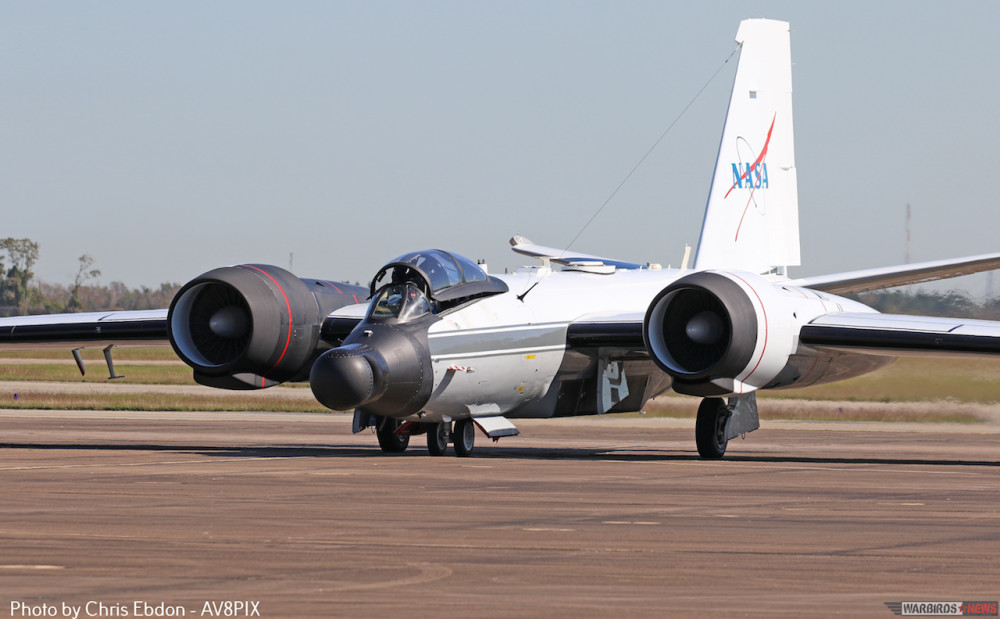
724 333
250 326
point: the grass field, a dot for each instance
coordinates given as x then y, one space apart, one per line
878 396
235 401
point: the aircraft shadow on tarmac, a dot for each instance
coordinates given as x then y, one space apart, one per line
487 453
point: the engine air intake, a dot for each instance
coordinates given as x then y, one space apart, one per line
701 328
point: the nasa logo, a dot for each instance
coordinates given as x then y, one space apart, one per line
750 175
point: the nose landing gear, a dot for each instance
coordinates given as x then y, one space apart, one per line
389 439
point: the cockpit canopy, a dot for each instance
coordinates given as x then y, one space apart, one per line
402 302
445 277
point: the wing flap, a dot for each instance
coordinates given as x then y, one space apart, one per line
897 335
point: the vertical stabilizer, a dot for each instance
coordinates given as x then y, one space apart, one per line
752 216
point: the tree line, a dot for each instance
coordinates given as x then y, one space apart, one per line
952 303
21 294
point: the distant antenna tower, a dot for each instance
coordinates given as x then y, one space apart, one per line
291 256
907 234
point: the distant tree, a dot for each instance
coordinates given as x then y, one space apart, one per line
14 290
83 273
922 303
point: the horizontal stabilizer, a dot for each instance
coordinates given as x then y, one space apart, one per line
525 247
886 277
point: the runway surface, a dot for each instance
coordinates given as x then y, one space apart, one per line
600 517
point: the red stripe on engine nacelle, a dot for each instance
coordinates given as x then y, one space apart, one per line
288 339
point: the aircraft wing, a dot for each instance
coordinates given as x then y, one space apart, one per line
342 321
899 335
863 333
525 247
145 328
127 329
875 279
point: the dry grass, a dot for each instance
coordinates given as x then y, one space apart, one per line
911 380
136 374
831 410
876 397
239 401
94 355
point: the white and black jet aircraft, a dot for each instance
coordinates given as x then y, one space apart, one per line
441 347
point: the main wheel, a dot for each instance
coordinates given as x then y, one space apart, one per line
464 437
437 438
388 440
710 428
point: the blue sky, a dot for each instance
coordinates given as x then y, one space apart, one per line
165 139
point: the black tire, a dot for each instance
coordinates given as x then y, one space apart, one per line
710 428
388 440
464 437
437 438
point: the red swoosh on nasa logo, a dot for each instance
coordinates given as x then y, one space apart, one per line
760 159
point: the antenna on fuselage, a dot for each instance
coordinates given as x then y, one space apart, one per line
685 263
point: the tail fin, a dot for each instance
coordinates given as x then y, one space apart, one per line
752 217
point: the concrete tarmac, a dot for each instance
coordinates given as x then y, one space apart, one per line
596 517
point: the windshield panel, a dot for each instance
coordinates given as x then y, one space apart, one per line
404 302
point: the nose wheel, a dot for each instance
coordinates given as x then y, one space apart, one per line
388 439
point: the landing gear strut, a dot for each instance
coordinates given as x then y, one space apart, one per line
464 436
437 438
388 439
710 428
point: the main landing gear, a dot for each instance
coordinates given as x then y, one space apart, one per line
394 435
710 428
464 437
437 438
718 421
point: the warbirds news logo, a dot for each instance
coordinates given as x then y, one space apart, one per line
944 609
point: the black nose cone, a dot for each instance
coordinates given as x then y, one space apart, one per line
342 379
